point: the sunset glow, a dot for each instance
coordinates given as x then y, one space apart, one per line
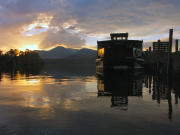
30 47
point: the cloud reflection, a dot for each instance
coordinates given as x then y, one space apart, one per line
43 93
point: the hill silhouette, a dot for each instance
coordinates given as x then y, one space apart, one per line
57 53
69 57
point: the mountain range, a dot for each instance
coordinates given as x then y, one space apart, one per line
61 53
69 58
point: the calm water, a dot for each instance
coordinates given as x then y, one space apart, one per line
63 103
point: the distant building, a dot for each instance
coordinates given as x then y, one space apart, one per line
161 46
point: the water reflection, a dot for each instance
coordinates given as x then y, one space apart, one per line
121 86
45 91
162 88
60 102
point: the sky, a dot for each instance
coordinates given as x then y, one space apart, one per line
44 24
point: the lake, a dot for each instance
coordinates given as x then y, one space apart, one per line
74 103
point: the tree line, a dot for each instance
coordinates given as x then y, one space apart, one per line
15 59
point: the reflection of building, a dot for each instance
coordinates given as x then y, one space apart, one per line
121 101
160 89
119 86
119 53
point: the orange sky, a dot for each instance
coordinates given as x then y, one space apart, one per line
38 24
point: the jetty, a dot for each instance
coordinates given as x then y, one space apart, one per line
162 59
119 54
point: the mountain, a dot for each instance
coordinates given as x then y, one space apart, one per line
82 57
85 51
83 54
69 58
69 53
57 53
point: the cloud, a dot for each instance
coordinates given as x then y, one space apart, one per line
78 23
132 15
61 38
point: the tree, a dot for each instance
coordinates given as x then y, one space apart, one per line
13 52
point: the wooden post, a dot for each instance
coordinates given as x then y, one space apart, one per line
176 45
150 49
170 40
159 45
170 49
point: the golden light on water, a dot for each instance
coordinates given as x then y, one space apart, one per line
37 92
30 47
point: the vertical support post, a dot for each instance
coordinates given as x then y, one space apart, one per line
170 50
159 45
170 40
177 44
97 49
150 49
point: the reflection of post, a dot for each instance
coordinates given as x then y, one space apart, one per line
150 81
146 81
161 89
154 88
170 105
176 99
169 86
12 75
158 92
0 76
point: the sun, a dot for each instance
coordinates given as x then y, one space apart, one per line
30 47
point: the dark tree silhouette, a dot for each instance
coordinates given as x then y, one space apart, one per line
20 60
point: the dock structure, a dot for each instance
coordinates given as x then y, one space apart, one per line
160 59
119 53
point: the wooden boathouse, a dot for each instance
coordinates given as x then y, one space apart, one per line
119 53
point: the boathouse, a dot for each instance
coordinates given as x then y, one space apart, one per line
119 52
